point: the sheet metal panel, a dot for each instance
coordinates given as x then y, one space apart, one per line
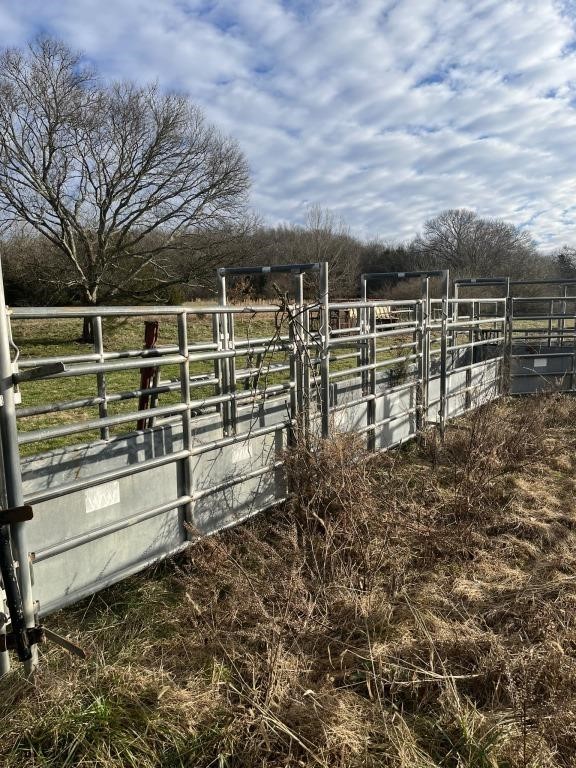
400 408
85 567
542 369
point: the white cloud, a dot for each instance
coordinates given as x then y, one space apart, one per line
385 111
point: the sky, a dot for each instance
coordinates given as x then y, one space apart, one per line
384 112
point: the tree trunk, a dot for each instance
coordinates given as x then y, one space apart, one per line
87 331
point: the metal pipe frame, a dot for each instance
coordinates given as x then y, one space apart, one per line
300 394
12 478
424 335
422 342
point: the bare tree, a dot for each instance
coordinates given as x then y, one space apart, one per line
566 262
460 240
327 238
117 177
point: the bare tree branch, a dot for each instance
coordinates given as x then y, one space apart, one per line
112 175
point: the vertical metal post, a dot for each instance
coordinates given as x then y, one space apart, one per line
186 420
216 338
4 655
306 371
572 343
550 313
443 353
100 377
232 372
420 420
362 358
298 351
295 384
11 470
470 361
508 340
225 367
561 323
325 350
371 405
455 319
425 348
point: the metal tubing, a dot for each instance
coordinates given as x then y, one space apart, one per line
187 486
12 477
232 370
49 433
434 341
239 438
296 390
274 268
106 530
42 313
306 365
88 370
401 275
325 351
370 366
104 477
371 406
356 304
377 396
443 353
425 292
172 386
100 377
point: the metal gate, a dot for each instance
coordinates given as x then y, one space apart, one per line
543 336
123 469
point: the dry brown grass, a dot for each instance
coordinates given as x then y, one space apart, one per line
413 609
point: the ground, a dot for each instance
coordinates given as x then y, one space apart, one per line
413 609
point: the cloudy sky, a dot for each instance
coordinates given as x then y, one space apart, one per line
383 111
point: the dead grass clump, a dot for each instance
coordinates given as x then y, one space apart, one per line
405 610
332 499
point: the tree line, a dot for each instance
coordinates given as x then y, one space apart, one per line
118 193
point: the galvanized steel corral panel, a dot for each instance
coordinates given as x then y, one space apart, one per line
541 369
95 536
398 409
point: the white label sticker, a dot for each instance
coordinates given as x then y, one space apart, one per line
541 362
102 496
401 274
266 269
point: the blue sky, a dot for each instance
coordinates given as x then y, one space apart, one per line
383 111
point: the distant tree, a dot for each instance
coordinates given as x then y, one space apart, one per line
327 238
462 241
566 262
390 257
116 177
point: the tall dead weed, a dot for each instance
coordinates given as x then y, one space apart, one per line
413 609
